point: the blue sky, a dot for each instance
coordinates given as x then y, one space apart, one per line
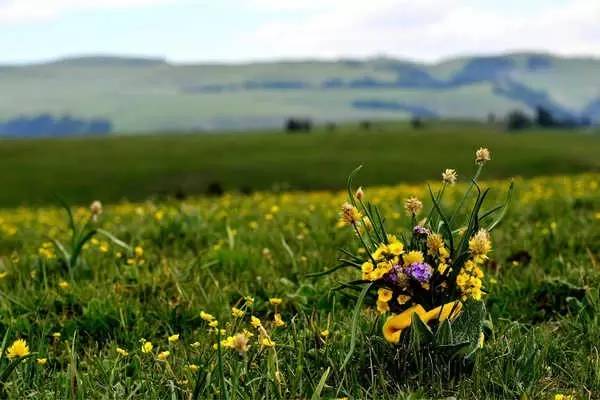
248 30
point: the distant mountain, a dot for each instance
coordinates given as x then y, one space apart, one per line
139 94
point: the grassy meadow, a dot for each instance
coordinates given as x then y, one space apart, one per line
101 326
165 166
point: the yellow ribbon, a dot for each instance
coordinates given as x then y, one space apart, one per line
393 327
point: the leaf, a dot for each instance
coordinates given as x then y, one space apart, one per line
349 184
443 334
317 393
504 209
11 367
354 328
329 271
468 326
420 333
114 239
446 224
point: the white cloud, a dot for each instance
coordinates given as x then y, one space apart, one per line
429 29
22 11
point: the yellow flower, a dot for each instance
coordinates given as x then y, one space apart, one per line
56 335
249 300
163 355
277 321
64 285
213 324
403 299
18 349
206 316
275 301
255 322
240 343
3 274
147 347
350 215
122 352
434 242
174 338
267 342
396 248
479 244
384 295
139 251
236 312
411 257
563 397
41 361
325 333
193 367
382 306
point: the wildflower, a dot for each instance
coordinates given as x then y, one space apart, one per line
382 306
236 312
434 242
482 155
174 338
163 355
96 209
147 347
18 349
412 257
64 285
195 345
350 215
396 248
122 352
277 321
359 193
41 361
56 335
47 251
403 299
249 300
240 343
563 397
275 301
139 251
206 316
384 295
255 322
420 272
413 206
449 176
480 244
420 230
193 367
267 342
213 324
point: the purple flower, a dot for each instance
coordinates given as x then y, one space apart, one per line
420 271
392 276
420 230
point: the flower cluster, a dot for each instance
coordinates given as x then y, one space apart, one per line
437 263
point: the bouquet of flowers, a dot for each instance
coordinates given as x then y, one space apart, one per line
429 280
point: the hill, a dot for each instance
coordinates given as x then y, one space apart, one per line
140 95
175 165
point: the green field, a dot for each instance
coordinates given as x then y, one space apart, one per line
86 324
136 168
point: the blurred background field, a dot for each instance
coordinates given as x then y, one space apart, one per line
176 165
